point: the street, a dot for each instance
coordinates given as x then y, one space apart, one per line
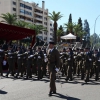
33 89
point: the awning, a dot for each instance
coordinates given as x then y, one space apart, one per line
10 32
69 36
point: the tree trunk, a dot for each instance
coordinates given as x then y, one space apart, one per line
58 39
55 32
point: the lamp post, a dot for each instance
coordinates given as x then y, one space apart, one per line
95 22
95 25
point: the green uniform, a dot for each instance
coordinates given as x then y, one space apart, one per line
53 62
11 62
34 65
19 62
69 69
24 63
29 65
40 58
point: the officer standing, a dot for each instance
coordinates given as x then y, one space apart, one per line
53 63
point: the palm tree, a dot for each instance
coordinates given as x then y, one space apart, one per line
55 17
81 34
59 33
77 29
9 18
70 26
20 23
37 28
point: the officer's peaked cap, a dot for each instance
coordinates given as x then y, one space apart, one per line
51 42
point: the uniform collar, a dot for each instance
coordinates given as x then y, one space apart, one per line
51 49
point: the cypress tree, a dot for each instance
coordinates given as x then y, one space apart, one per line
69 21
80 22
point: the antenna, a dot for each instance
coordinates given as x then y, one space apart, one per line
38 2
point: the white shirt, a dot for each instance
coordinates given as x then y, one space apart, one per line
51 49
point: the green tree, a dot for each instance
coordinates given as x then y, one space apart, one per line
37 28
70 18
81 34
77 29
80 22
59 34
55 17
69 21
22 24
9 18
70 27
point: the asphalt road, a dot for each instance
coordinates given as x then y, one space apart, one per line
33 89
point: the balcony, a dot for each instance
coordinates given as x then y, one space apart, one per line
38 13
28 21
37 18
38 23
45 25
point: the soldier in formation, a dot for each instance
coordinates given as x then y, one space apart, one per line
83 63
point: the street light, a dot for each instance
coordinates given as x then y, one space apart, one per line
95 25
95 22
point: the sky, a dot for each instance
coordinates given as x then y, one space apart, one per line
86 9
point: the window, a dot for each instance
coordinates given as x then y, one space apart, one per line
28 13
50 24
25 6
51 29
38 11
21 11
25 12
45 38
21 5
51 38
51 34
45 18
45 33
45 13
14 9
45 23
14 3
39 17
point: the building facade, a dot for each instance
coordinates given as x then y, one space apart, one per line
31 13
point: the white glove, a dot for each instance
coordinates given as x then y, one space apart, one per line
57 69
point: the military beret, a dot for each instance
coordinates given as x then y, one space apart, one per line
51 42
